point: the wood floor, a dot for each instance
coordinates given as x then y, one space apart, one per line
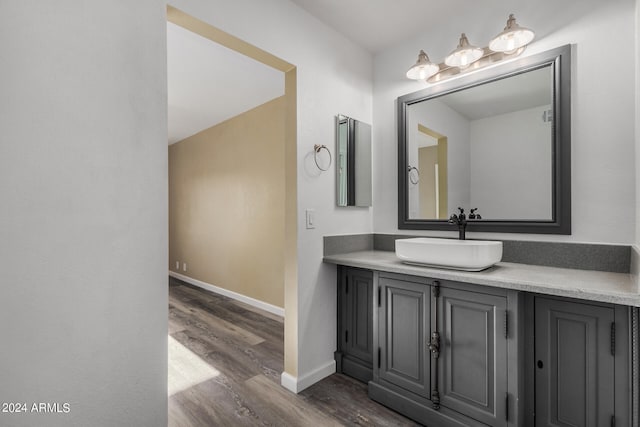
225 361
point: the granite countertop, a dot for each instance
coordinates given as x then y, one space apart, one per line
616 288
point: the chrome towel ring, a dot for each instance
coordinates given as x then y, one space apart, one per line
317 148
413 177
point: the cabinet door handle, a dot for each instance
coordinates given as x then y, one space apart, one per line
434 345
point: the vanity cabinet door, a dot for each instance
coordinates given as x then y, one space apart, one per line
403 332
355 323
473 354
574 371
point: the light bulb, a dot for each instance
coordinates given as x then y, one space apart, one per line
423 68
512 38
464 55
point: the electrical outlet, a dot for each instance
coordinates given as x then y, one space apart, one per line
311 218
177 265
184 266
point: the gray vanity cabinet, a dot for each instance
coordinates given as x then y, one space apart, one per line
443 353
447 353
473 354
576 364
355 323
403 330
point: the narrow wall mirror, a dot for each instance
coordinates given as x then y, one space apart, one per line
353 163
498 140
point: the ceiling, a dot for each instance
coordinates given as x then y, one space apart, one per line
209 83
378 24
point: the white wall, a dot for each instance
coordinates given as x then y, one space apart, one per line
603 177
334 76
510 165
83 218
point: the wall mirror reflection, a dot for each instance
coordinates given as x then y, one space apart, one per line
498 141
495 143
353 163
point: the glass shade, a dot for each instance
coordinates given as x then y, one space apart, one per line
513 37
464 55
423 68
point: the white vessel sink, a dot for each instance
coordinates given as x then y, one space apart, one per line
468 255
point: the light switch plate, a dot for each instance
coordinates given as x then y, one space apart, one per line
311 218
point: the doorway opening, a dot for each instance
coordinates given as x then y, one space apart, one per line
287 159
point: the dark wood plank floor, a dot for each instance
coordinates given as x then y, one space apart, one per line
225 361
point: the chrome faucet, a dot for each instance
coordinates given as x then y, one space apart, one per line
461 220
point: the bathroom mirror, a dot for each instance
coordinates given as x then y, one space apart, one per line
498 140
353 163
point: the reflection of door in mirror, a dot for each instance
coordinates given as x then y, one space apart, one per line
432 163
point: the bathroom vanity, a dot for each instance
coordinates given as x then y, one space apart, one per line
553 342
514 345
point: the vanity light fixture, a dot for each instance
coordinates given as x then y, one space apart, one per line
464 55
423 68
510 43
512 38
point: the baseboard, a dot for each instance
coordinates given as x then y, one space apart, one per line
289 382
356 369
227 293
297 384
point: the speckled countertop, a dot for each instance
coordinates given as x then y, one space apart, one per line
617 288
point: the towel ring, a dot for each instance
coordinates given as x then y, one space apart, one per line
413 180
317 148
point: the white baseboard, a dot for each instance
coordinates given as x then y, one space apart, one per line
297 384
227 293
289 382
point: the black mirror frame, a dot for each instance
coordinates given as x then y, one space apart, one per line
560 61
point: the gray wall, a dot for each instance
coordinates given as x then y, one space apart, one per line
83 217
